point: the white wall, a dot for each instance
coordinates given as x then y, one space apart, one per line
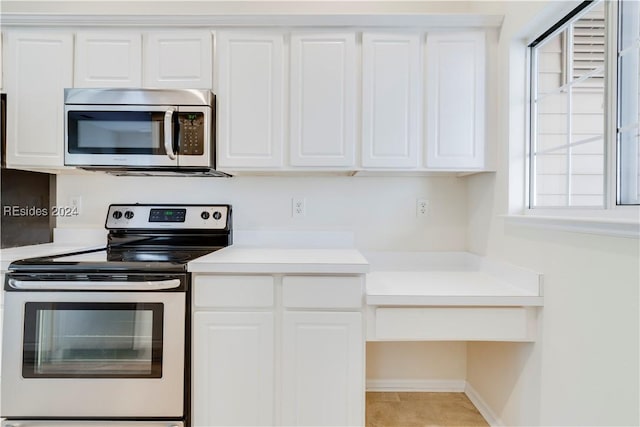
381 212
584 368
423 365
585 365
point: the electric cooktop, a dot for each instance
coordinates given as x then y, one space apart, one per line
146 238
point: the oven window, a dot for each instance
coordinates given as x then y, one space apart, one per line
92 340
116 132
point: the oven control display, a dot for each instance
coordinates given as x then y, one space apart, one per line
167 215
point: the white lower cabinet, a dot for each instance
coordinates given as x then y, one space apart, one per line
1 320
273 350
233 369
322 369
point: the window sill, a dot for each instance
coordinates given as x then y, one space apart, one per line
607 227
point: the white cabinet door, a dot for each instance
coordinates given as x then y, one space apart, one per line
455 100
1 320
233 369
108 59
1 69
323 369
322 99
177 60
250 100
390 100
38 66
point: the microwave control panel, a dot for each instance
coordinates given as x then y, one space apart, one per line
191 133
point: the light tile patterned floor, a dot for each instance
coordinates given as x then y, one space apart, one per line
421 410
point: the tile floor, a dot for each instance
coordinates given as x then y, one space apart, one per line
421 410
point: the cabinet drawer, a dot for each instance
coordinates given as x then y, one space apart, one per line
455 323
233 291
322 292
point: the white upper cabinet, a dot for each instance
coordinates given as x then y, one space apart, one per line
455 100
108 59
39 65
250 85
316 100
1 69
391 90
422 109
180 59
323 99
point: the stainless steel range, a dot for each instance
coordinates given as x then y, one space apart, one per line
101 337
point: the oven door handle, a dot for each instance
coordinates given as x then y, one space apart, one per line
51 285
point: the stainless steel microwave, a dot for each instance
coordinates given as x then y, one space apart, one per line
140 131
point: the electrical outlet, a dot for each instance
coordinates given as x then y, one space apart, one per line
75 203
298 209
422 208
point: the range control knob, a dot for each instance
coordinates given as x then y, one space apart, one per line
128 214
117 214
217 215
204 215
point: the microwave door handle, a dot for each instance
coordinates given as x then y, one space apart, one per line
168 134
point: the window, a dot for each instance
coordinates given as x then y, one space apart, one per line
577 121
628 126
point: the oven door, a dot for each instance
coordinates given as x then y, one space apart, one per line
93 354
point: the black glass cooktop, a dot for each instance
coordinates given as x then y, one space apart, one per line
103 260
179 257
143 238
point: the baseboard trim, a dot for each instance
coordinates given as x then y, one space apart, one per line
417 385
482 406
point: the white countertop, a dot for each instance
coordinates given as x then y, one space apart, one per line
7 256
451 288
238 259
449 279
394 279
64 240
